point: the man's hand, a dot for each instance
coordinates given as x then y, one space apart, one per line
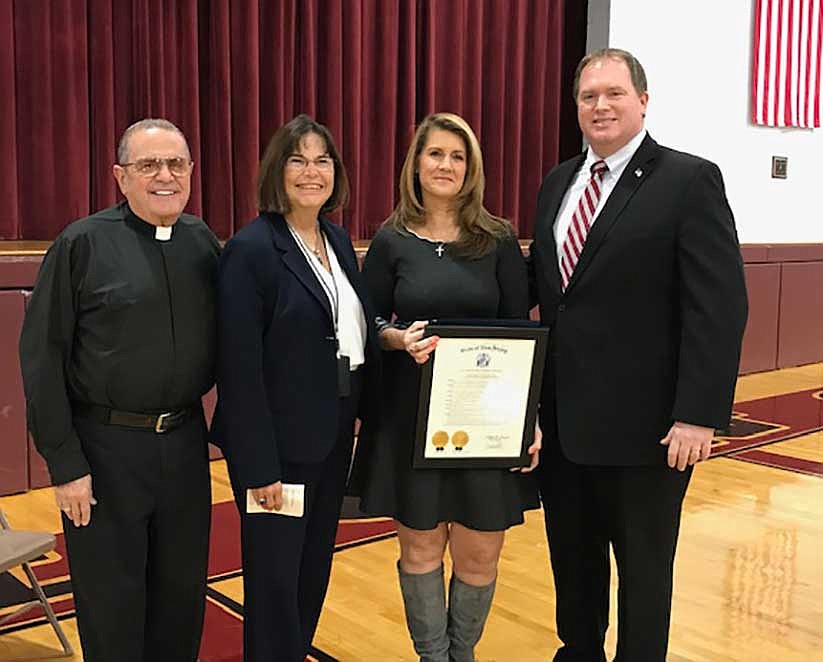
688 444
534 451
270 497
75 499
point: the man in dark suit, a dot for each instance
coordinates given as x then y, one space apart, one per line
637 271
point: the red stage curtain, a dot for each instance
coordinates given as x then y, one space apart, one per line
75 73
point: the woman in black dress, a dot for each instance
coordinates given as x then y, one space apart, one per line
440 255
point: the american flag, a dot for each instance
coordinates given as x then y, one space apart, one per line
786 76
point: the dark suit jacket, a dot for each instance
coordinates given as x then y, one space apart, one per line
277 366
650 326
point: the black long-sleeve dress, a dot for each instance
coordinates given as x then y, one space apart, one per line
409 279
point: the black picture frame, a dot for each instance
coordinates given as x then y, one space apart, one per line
494 329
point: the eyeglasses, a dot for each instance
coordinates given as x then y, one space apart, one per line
300 163
178 166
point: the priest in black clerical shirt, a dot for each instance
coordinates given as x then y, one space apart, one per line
117 348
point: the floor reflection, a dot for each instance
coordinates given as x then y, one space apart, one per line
758 586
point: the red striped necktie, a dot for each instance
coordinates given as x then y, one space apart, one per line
582 219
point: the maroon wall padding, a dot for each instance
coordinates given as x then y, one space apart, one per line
13 452
754 252
800 335
19 271
795 253
760 340
38 472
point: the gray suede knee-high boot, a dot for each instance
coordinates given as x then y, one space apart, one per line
424 597
468 609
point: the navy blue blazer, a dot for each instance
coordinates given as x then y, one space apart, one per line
649 329
277 365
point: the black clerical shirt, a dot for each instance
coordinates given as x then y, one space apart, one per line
118 318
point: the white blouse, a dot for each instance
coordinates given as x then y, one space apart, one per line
351 322
344 302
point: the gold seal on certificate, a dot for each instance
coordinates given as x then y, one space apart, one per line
440 439
479 394
460 439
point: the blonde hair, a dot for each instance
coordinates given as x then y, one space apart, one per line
480 231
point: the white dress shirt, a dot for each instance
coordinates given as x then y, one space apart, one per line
617 163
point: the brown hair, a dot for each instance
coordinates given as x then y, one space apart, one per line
271 191
638 76
480 230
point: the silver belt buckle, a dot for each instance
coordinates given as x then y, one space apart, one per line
158 427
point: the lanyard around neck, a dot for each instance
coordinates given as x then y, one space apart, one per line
332 292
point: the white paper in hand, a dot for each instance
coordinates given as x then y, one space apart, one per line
293 499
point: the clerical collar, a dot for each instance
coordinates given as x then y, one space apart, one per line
158 232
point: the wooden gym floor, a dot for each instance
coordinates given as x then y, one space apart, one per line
749 574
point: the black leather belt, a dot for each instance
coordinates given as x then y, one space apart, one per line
160 423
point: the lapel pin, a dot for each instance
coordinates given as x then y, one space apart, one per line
638 173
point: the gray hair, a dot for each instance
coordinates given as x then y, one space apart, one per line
145 125
638 76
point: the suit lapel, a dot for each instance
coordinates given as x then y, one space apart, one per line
295 261
550 210
341 250
635 173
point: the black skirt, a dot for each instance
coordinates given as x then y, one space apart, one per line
388 486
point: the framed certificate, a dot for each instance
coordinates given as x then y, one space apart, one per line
478 395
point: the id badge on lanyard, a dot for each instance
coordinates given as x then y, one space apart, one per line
343 376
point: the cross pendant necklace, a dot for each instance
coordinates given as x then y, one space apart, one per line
439 250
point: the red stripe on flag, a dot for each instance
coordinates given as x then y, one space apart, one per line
819 60
787 60
767 62
778 64
755 62
790 91
806 55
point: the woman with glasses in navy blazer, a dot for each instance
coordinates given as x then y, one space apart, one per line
295 350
